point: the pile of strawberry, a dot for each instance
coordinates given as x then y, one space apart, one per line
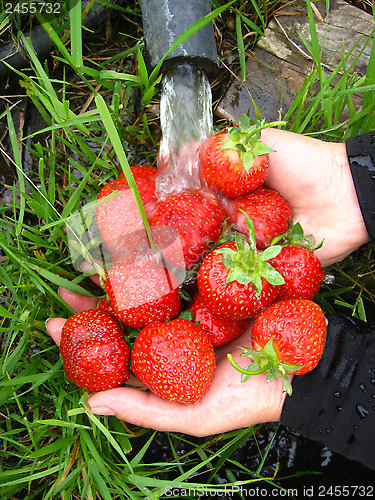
243 257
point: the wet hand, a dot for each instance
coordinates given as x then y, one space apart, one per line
229 404
314 177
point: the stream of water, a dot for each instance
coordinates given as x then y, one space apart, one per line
186 120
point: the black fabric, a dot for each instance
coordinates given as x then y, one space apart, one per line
361 155
335 403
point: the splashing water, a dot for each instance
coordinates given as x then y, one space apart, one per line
186 120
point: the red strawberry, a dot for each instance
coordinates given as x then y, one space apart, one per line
94 351
235 162
105 306
142 292
119 220
236 281
268 210
175 360
288 337
301 270
197 216
220 331
145 179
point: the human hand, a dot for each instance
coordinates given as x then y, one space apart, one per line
228 404
315 178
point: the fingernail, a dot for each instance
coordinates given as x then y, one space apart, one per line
85 266
46 323
102 410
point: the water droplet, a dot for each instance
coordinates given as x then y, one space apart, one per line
362 411
352 439
372 380
329 279
337 394
363 387
321 412
338 408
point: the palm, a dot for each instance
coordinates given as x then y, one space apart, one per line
229 404
315 179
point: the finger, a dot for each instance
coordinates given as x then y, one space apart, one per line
144 409
85 266
78 302
134 382
54 327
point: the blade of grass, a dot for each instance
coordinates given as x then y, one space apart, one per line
76 32
241 47
111 439
119 149
18 164
252 25
369 96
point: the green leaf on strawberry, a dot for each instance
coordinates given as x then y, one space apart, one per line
246 265
295 235
246 140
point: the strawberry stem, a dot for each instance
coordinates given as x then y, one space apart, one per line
265 361
247 371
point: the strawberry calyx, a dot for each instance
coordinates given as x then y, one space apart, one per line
245 138
246 264
265 361
295 236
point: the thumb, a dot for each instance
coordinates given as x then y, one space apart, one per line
145 409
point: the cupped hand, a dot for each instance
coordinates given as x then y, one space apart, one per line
228 404
314 177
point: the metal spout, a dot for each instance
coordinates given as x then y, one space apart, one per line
165 20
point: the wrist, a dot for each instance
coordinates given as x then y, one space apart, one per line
357 233
346 229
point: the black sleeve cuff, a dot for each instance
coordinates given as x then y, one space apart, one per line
334 404
361 155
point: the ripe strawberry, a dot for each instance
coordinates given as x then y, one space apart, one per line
145 178
175 360
299 266
301 270
105 306
288 337
142 292
118 219
268 210
220 331
236 281
235 162
197 216
94 351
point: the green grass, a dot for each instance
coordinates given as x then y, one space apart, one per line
49 446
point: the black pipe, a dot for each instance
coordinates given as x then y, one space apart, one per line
165 20
15 54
